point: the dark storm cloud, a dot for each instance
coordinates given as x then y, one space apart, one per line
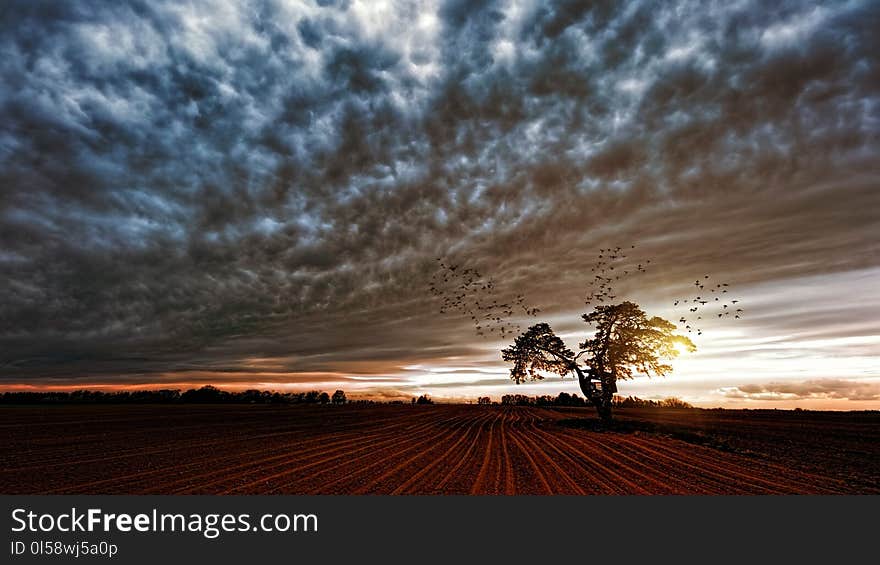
185 187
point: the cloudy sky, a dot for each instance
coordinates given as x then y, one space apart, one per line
254 193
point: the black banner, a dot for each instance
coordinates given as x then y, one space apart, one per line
257 529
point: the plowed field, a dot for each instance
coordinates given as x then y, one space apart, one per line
443 449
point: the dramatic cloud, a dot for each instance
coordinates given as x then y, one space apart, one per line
188 187
822 389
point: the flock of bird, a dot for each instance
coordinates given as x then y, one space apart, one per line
608 269
467 291
711 300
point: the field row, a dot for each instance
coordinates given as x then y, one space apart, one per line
357 450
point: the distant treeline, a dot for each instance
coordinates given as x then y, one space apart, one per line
205 395
213 395
565 399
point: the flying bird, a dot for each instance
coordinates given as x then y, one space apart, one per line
700 304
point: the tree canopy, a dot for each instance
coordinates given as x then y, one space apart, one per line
538 349
626 343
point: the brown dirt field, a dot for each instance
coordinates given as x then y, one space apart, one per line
442 449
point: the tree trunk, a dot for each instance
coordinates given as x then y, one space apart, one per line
600 399
603 407
609 387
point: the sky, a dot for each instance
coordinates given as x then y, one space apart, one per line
254 194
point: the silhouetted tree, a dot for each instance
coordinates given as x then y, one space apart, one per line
206 394
636 402
323 398
484 400
626 341
311 397
338 397
296 397
424 399
565 399
674 402
251 395
517 400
